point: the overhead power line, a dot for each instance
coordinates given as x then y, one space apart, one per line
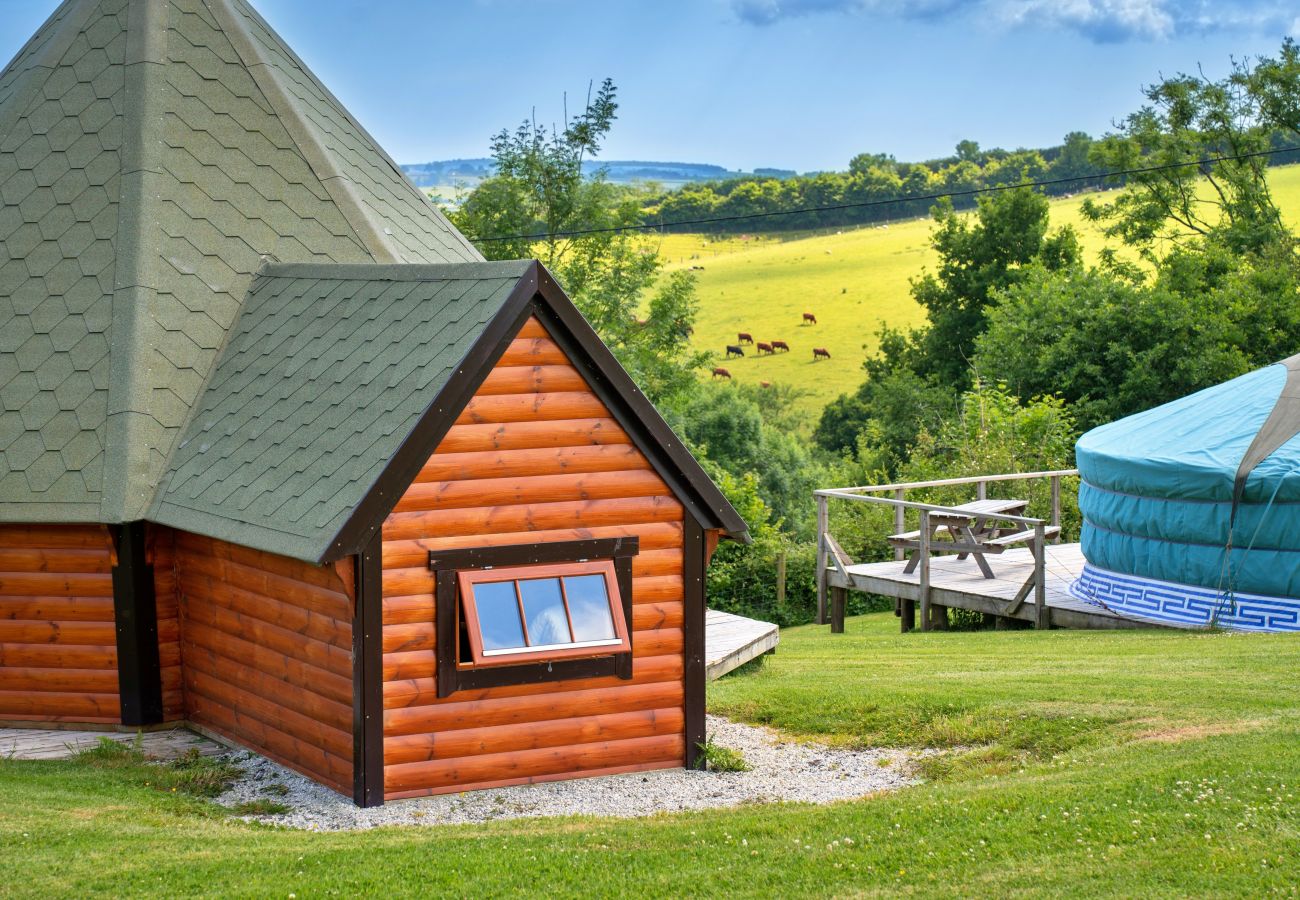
865 204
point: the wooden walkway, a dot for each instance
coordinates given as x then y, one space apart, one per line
959 584
730 641
49 743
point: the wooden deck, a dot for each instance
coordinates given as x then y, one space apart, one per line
49 743
730 641
958 584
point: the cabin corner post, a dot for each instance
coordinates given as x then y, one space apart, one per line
694 602
135 617
368 677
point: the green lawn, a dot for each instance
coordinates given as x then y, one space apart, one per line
1139 764
851 280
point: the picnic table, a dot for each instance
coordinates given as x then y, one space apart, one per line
971 529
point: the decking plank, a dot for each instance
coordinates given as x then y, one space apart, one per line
51 743
730 641
958 583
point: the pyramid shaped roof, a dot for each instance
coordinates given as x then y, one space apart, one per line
153 156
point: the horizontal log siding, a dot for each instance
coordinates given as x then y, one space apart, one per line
58 644
267 649
535 457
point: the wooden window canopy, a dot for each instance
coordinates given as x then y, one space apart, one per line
523 614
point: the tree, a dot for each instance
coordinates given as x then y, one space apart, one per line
1203 142
969 151
539 203
1111 345
746 434
978 255
914 379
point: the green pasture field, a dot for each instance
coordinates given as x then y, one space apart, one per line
851 280
1070 764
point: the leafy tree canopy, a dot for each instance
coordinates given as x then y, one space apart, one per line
540 201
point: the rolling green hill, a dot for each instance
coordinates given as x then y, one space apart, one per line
851 280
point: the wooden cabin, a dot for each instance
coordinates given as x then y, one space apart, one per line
283 458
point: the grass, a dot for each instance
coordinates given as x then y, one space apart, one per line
191 773
716 758
1076 764
262 806
851 280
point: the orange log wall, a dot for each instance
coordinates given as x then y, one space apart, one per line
535 457
267 649
58 647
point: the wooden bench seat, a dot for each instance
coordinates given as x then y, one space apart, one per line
1020 537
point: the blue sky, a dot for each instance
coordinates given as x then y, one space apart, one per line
801 84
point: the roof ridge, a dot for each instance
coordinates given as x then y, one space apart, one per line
340 189
335 181
145 62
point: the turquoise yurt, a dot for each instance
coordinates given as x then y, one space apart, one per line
1191 510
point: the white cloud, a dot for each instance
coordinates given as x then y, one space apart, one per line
1103 21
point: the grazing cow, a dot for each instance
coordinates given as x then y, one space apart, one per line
765 384
809 319
820 353
780 345
744 338
762 347
734 350
720 372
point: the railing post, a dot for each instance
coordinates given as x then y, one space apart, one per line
900 522
823 524
925 570
1043 617
1056 506
982 490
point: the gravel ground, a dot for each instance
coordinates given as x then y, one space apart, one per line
781 770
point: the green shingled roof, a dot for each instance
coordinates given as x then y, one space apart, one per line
326 374
152 157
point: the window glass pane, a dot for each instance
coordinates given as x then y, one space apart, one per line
544 609
589 606
498 615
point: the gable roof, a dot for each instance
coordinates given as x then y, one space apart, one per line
327 373
339 381
152 157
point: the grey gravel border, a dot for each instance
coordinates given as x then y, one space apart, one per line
781 770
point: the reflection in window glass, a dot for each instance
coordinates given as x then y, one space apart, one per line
589 607
498 615
544 610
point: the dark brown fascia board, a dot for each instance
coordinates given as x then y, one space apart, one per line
637 415
694 550
537 293
368 677
473 369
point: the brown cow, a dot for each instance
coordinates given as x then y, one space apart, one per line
780 345
734 350
762 347
809 319
820 352
744 338
765 384
720 372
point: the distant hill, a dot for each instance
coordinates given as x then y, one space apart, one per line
451 172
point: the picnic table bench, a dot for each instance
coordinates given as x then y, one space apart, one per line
972 529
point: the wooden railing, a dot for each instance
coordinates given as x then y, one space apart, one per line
832 559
